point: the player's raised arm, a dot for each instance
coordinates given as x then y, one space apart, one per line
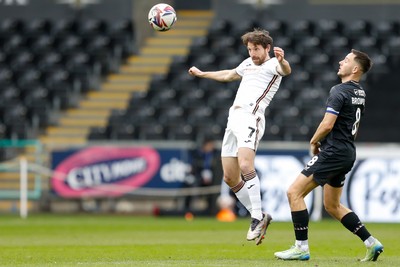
220 75
284 66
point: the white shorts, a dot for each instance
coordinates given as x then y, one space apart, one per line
244 129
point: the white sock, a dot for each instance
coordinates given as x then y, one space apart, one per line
254 189
369 241
243 197
302 244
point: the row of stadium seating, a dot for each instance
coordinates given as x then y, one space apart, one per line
46 66
178 106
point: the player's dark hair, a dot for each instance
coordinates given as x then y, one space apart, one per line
258 37
363 60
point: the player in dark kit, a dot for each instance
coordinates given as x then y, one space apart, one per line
334 154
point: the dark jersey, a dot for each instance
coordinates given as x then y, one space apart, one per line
347 101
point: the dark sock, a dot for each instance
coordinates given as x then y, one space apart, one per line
354 225
300 222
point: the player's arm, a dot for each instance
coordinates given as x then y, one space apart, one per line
284 66
323 130
220 75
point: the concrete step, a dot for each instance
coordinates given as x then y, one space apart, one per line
67 131
171 41
155 59
106 96
94 112
125 78
104 104
84 122
144 69
62 141
123 87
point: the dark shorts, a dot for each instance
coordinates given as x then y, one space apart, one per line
328 169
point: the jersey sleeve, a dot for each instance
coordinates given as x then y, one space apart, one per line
275 63
241 67
335 101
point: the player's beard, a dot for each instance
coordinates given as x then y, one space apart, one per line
259 60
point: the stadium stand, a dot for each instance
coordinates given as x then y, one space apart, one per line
313 47
47 67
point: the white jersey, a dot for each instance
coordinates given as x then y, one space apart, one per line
258 86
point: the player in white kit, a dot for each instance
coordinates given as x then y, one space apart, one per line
260 79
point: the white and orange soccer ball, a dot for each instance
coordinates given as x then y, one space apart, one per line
162 17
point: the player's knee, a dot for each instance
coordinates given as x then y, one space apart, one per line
231 180
331 208
292 194
246 166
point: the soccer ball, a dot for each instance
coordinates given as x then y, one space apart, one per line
162 17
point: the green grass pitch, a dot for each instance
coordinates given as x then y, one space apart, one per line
125 240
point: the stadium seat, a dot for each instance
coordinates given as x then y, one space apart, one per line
98 133
13 44
317 63
140 115
200 115
153 131
10 26
183 82
220 27
180 131
272 132
20 130
37 27
367 44
91 27
277 28
357 28
63 26
384 29
6 75
68 44
204 62
301 29
308 46
122 33
328 29
392 47
49 60
41 44
337 47
21 60
103 51
221 97
8 93
230 62
140 99
164 98
296 132
200 45
213 131
220 115
125 131
171 115
192 98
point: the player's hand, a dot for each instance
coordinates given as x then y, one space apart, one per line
314 148
194 71
279 53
